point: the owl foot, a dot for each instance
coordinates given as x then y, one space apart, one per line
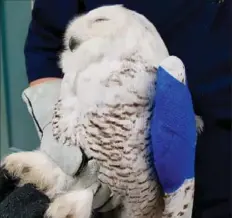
75 204
34 168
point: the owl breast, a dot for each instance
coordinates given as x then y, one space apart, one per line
116 134
113 109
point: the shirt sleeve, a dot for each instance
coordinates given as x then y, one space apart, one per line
45 37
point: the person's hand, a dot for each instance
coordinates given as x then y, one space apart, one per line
51 168
41 98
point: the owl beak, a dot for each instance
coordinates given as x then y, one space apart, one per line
74 43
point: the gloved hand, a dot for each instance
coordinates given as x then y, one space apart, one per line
40 100
18 200
54 173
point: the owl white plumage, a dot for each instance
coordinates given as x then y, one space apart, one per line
110 60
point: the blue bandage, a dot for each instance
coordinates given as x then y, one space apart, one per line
173 132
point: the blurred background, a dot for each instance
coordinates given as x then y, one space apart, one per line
17 128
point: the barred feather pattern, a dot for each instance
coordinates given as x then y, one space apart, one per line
116 134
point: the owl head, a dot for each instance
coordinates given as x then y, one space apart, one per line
113 32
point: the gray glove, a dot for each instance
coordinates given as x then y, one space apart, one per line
40 100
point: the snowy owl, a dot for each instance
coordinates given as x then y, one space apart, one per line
109 62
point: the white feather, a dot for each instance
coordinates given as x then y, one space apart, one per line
112 68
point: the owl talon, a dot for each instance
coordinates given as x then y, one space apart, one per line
34 168
75 204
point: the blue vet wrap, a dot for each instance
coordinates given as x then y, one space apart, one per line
173 132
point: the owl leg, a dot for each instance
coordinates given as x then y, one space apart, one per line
78 201
75 204
81 203
34 168
86 195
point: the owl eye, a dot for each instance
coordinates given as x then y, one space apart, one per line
101 19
